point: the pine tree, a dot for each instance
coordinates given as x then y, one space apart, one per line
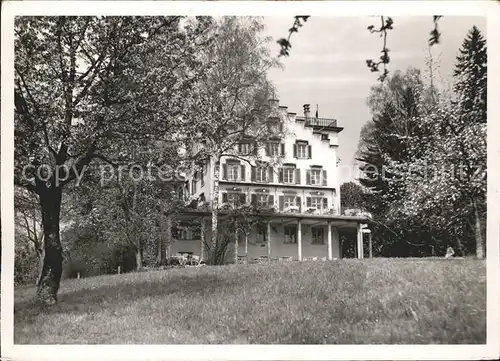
471 74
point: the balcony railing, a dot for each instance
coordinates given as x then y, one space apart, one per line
311 210
319 122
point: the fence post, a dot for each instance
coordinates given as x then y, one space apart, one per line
118 269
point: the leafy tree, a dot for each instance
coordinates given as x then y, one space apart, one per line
351 196
232 104
395 104
84 86
446 182
386 138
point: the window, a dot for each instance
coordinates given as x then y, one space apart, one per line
261 174
315 176
290 201
186 234
288 175
275 149
235 199
262 200
244 148
290 234
261 234
317 202
301 151
193 186
318 235
233 171
203 171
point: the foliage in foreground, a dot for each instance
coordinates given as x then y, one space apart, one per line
424 159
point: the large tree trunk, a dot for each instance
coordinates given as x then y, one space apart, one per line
236 245
165 234
478 232
138 259
50 276
40 255
215 213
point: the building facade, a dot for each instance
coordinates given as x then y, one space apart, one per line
296 175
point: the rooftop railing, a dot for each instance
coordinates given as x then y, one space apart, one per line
319 122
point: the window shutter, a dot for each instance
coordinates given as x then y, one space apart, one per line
243 199
299 203
324 178
295 150
308 176
267 149
270 200
308 202
282 149
239 147
281 175
242 177
282 202
252 170
271 175
310 151
254 200
224 171
325 203
255 148
297 176
224 197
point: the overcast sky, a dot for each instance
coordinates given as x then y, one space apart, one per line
327 64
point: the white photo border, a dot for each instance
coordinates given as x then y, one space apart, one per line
491 350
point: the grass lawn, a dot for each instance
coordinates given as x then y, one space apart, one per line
338 302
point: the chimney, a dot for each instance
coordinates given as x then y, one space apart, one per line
307 111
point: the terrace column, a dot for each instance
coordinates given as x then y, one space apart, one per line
246 247
299 239
370 244
360 241
202 237
236 246
269 241
330 252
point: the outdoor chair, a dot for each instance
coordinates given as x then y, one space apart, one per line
182 258
195 261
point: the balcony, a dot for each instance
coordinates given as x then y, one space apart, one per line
292 209
311 210
319 122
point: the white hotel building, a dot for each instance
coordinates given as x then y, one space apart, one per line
302 187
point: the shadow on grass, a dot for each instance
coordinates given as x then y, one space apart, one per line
89 300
